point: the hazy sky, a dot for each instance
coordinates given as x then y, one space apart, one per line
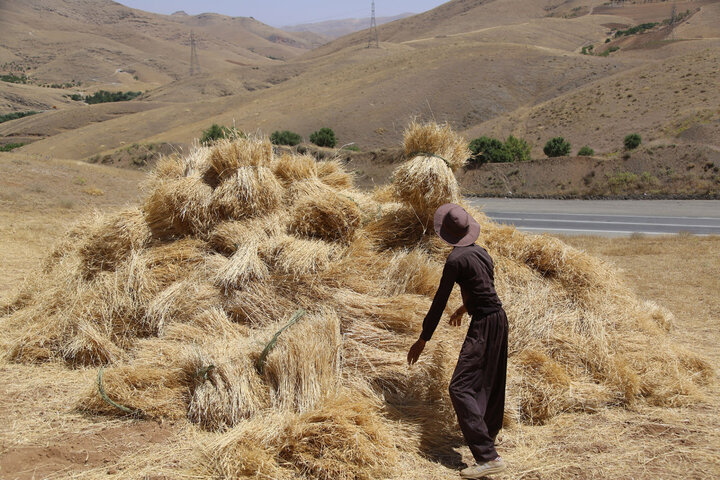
286 12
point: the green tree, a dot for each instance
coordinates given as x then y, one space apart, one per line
557 147
488 149
285 137
632 141
586 152
324 137
216 132
518 148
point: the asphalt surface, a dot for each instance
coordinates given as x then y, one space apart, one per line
605 217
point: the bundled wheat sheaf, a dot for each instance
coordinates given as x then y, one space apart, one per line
181 302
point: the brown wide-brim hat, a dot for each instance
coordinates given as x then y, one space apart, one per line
455 225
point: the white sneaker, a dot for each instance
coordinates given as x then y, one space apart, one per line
484 469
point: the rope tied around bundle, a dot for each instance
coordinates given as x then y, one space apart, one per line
260 364
110 401
426 154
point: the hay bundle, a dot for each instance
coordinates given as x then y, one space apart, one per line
164 264
179 207
298 256
434 139
306 366
243 267
227 388
291 168
227 236
332 217
157 392
110 242
345 439
425 183
228 156
168 167
180 302
248 192
332 173
397 226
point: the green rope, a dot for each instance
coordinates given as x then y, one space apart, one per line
426 154
260 364
108 400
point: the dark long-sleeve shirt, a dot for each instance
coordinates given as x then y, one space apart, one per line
472 268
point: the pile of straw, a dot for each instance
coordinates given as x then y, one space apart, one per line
186 304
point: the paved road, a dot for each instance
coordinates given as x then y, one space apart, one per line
605 217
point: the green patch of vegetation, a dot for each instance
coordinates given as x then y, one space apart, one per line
491 150
629 180
10 146
610 50
324 137
352 147
103 96
632 141
12 78
14 115
518 148
557 147
586 152
216 132
587 50
637 29
285 137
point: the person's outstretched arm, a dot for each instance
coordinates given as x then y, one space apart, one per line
432 318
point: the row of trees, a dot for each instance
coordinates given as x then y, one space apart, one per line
492 150
325 137
484 149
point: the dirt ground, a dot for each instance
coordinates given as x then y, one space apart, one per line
657 171
43 435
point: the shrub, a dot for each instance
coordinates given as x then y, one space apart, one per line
487 149
557 147
285 137
12 116
518 148
610 50
103 96
10 146
632 141
12 78
324 137
216 132
586 152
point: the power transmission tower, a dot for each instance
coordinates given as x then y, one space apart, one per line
194 64
673 21
373 40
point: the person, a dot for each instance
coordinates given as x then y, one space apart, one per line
477 387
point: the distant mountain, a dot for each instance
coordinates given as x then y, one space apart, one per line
333 29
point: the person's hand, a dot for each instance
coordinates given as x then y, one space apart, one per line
415 351
456 318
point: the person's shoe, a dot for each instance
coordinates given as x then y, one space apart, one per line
484 469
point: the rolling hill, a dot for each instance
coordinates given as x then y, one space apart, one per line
486 66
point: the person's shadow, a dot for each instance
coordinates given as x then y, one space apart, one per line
440 435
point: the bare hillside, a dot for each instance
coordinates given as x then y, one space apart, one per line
96 41
664 102
489 67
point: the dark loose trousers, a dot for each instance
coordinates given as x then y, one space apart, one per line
477 388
